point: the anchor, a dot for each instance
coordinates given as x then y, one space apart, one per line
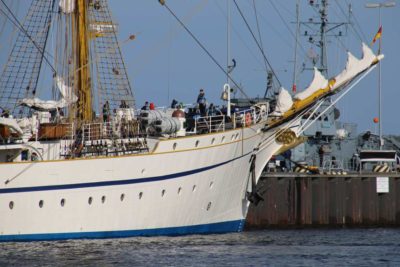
254 197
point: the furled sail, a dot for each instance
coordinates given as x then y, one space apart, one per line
284 102
67 6
355 66
321 88
318 82
68 97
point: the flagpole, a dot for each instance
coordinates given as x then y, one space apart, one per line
380 85
379 6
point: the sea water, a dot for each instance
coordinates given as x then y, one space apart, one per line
339 247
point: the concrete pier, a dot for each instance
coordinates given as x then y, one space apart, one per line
304 200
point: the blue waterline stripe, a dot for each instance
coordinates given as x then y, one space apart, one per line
213 228
118 182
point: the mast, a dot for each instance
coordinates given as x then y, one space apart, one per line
228 39
294 86
324 19
319 31
83 81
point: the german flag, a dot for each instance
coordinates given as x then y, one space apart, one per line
377 35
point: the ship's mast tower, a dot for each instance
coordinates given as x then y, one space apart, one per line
318 32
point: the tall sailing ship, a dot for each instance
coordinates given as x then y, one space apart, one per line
67 172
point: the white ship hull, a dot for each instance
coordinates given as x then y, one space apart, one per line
190 189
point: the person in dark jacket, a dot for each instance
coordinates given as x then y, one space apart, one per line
202 102
146 106
106 112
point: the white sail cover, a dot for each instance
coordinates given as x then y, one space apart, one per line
354 66
68 97
40 104
12 124
284 102
67 6
318 82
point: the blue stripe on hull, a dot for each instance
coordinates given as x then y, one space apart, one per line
213 228
117 182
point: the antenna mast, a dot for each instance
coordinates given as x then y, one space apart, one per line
321 30
324 22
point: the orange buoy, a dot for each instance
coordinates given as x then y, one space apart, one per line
376 120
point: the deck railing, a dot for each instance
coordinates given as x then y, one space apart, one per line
109 130
250 116
209 124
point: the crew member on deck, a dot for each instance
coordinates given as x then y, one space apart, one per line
202 101
106 112
146 106
212 111
123 104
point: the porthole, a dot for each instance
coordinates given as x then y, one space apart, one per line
90 200
122 197
197 143
212 141
41 203
223 139
163 193
143 171
62 202
174 146
194 188
11 205
211 184
179 190
208 205
140 195
103 199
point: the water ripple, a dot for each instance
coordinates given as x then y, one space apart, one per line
350 247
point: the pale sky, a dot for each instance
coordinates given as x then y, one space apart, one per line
164 56
164 62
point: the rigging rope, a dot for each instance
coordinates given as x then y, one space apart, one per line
362 36
256 58
255 39
259 32
162 2
17 24
290 31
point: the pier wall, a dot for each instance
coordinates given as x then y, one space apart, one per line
297 200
